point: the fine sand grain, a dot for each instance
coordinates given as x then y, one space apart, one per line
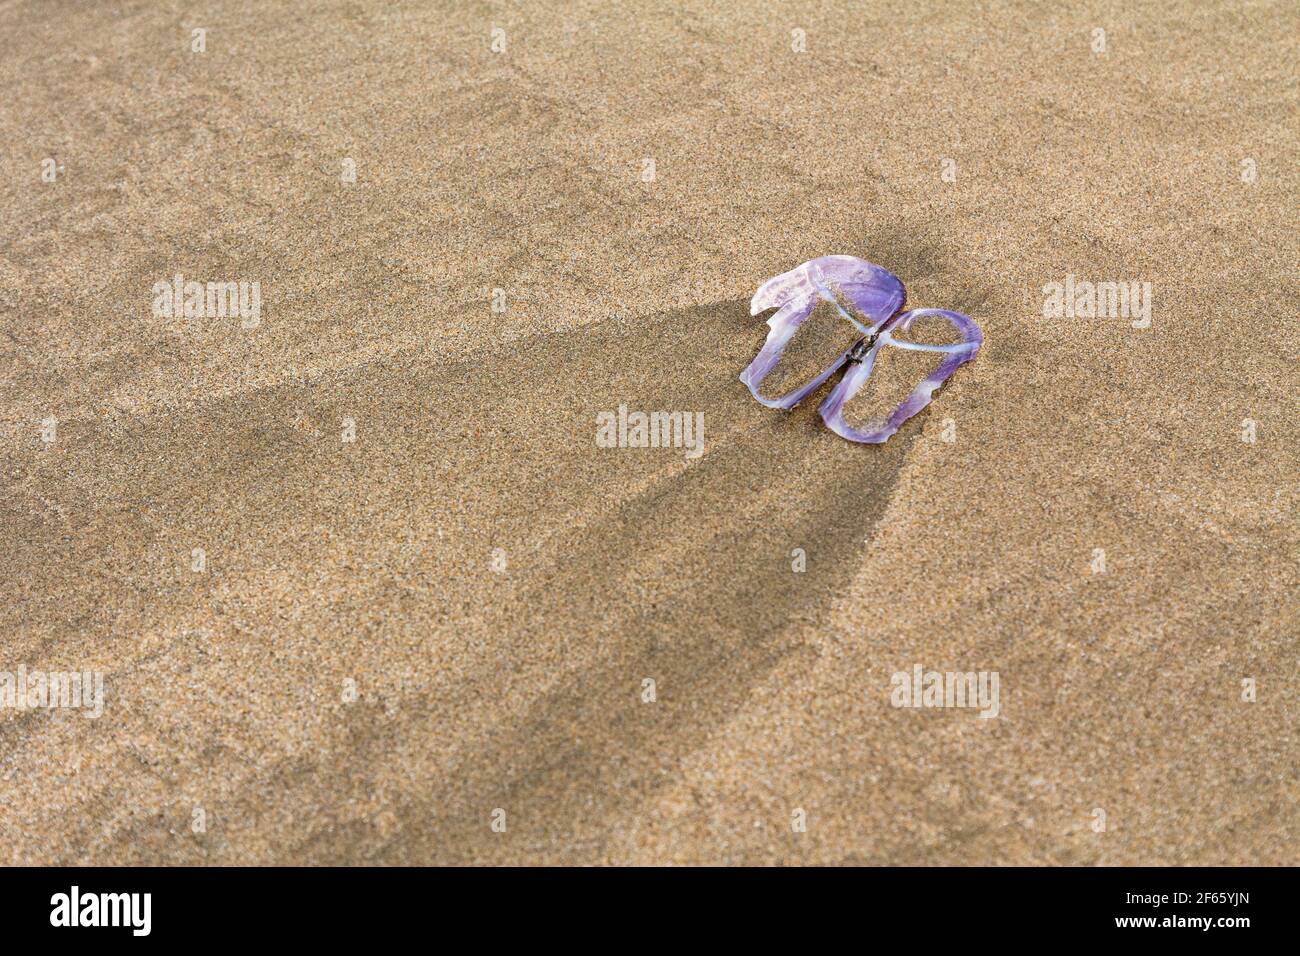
496 587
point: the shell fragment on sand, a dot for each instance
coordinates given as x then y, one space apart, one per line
871 299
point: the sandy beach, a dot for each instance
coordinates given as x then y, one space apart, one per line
364 588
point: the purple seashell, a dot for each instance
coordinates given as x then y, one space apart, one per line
845 282
870 298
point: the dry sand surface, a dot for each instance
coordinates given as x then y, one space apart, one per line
495 586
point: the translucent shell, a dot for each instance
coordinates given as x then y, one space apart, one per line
869 298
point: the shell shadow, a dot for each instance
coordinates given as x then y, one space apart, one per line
677 571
